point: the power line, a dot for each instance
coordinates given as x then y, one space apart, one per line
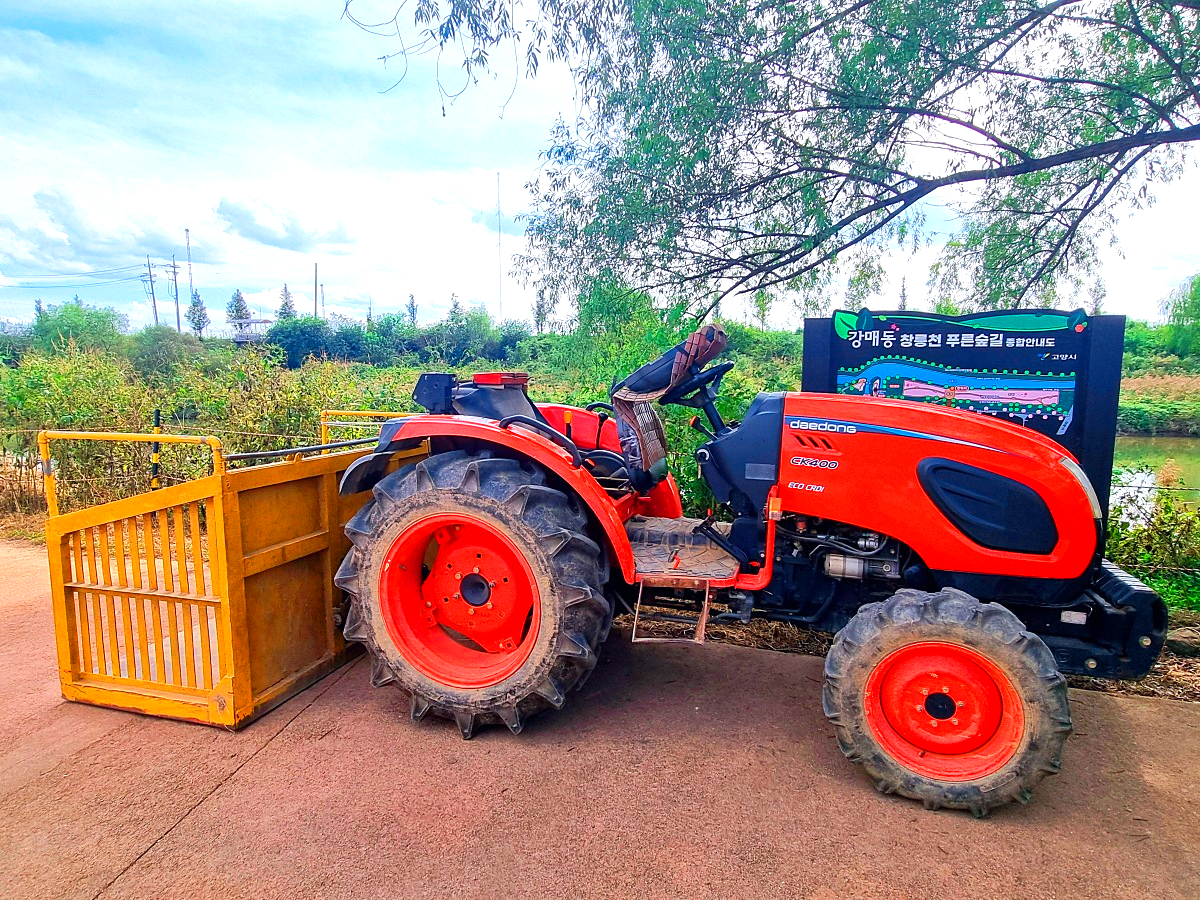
55 287
81 274
149 282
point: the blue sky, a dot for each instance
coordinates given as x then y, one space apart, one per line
261 127
264 131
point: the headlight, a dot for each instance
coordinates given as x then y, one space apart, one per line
1073 467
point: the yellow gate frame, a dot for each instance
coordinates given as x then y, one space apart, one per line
212 600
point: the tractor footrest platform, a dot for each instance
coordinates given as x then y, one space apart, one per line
669 548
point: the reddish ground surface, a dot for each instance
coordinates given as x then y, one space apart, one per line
677 772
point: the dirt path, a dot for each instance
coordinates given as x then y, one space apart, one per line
678 771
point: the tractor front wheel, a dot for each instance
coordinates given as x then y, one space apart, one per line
475 588
946 700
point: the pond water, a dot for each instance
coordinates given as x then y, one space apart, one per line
1154 451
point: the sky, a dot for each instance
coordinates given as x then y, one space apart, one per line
268 132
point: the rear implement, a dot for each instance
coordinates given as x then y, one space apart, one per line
210 601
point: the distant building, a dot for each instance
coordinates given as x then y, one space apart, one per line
249 331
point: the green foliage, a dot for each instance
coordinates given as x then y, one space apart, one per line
270 396
14 341
1162 547
237 311
1183 316
77 390
300 337
87 327
762 307
287 306
750 144
196 315
158 350
1148 352
1160 404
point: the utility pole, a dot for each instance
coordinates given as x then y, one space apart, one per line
175 281
499 256
315 313
153 301
322 300
187 236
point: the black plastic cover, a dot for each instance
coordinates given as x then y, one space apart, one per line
743 463
992 510
435 392
494 402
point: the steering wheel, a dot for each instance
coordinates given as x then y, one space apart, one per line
699 390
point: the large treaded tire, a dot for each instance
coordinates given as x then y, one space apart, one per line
947 618
547 527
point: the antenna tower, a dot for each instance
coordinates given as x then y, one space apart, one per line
187 236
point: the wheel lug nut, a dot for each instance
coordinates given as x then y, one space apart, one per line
458 576
476 570
489 606
471 611
428 604
960 703
933 723
954 721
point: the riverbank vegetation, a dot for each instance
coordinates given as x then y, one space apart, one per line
78 368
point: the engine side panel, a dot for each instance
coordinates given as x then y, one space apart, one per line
858 459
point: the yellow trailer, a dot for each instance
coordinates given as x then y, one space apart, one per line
211 601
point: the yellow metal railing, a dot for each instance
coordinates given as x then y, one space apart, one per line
45 437
337 418
212 600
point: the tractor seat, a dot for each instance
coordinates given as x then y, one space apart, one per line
655 378
643 439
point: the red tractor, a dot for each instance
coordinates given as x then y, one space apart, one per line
959 561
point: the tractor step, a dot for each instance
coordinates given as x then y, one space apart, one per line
698 623
669 548
670 554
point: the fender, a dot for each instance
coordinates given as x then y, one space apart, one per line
412 431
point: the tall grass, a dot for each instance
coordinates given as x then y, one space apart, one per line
246 398
251 401
1160 404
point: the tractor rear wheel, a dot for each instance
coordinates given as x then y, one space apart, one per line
476 589
947 700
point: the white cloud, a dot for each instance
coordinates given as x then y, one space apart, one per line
261 128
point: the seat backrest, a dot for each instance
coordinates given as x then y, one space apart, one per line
640 417
633 398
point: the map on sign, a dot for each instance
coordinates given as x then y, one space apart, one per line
1019 366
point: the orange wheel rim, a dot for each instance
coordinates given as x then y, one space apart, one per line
944 711
459 601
